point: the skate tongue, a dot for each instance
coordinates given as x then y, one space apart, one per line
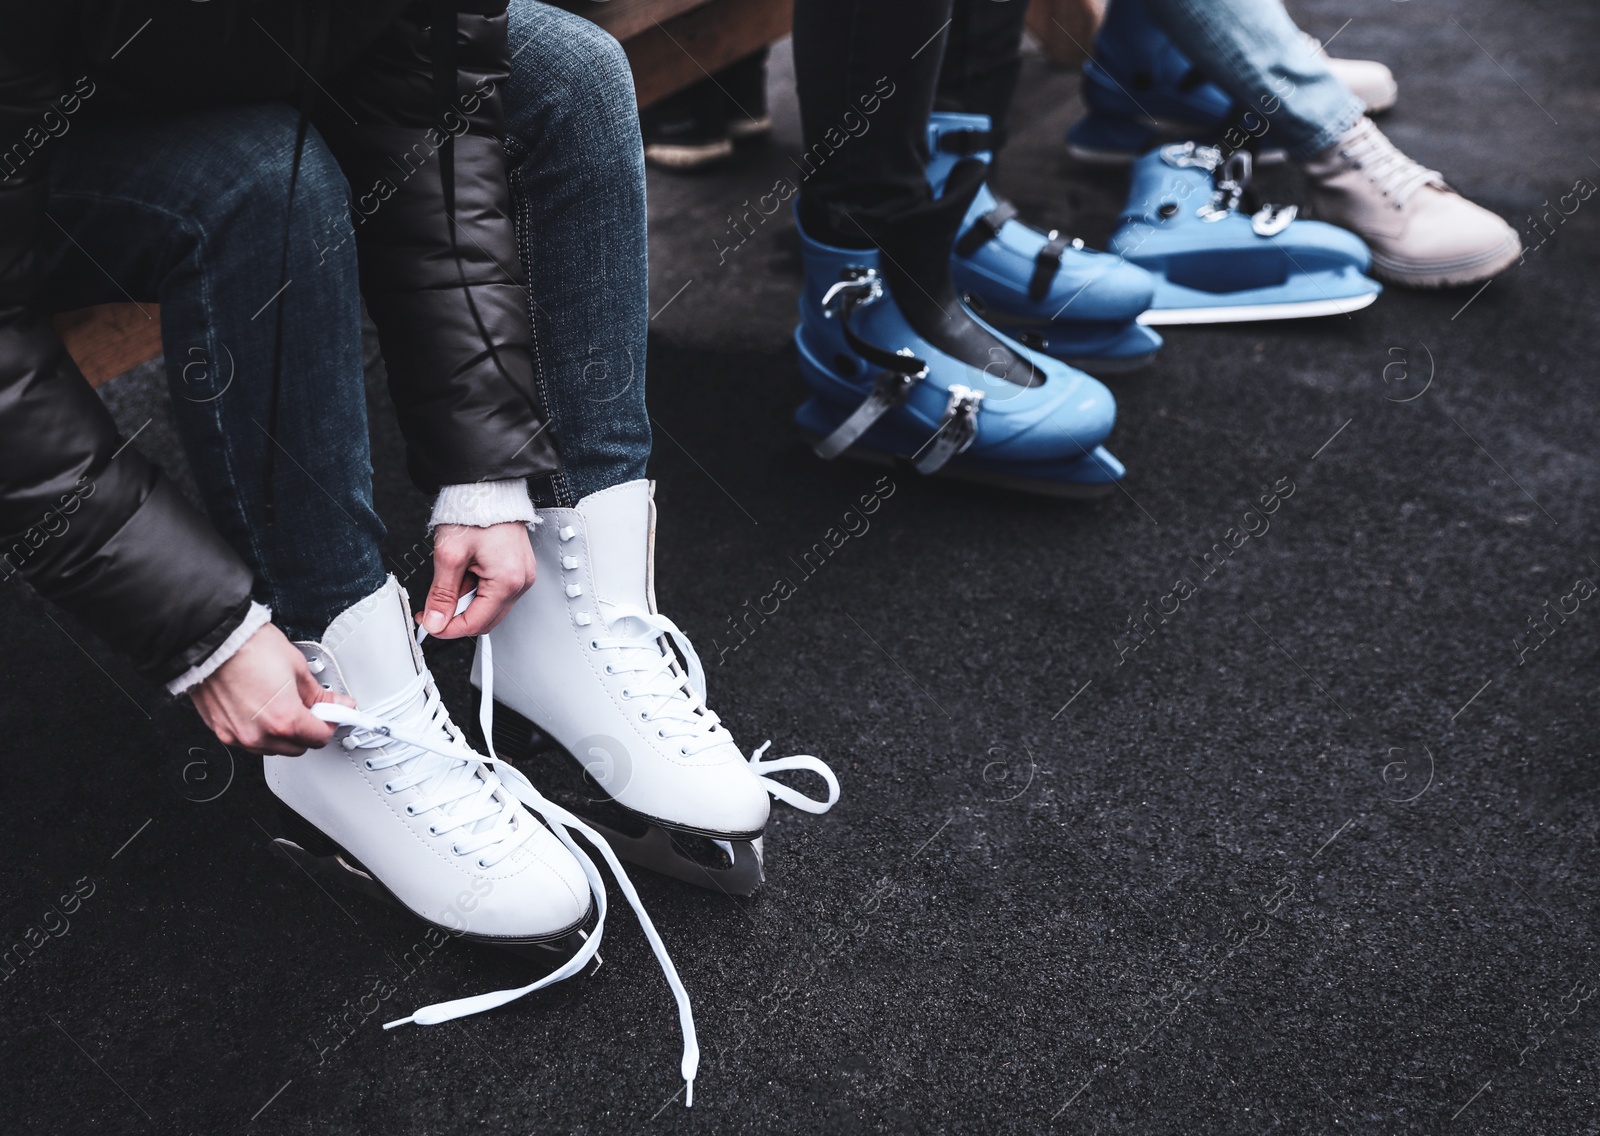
617 522
371 641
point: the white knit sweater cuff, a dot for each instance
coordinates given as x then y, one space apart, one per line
254 620
483 503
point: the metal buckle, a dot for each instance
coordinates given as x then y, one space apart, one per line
862 284
1270 220
1184 155
957 431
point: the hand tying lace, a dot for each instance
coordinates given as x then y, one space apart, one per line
480 803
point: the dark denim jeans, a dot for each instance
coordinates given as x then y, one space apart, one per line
189 211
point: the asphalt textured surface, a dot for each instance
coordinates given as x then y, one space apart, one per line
1318 856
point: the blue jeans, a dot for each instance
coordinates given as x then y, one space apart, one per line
189 210
1254 51
576 162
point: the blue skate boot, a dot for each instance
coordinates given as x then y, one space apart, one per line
901 370
1043 289
1216 263
1141 90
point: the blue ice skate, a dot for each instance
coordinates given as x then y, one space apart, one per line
884 392
1141 90
1217 264
1043 289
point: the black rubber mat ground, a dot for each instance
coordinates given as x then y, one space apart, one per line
1318 855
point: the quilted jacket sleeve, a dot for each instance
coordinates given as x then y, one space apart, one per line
84 518
449 300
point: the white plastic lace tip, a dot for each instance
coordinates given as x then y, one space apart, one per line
398 1022
688 1093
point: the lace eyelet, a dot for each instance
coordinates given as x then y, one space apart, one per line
626 693
644 715
610 670
411 810
594 644
455 850
368 764
388 786
661 733
481 864
683 750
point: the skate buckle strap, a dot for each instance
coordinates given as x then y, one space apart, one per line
986 228
902 369
889 392
1232 179
956 431
1048 263
966 142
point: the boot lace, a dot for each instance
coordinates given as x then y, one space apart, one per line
454 783
428 730
675 698
1397 176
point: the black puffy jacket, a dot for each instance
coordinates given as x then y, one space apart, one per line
113 542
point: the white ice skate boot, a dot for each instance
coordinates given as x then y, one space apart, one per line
440 833
585 657
403 806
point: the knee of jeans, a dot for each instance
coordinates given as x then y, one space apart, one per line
260 165
579 65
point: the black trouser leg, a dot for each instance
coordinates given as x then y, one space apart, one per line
866 72
983 60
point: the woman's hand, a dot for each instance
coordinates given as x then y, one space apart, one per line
497 558
258 699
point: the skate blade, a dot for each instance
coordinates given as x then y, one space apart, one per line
658 850
1254 313
652 845
345 872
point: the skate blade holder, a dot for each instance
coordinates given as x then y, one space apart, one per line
655 849
340 871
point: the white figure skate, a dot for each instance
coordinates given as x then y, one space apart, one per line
585 659
403 808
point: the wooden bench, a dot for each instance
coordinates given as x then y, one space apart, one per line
671 44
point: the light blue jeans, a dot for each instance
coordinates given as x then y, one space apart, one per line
1254 51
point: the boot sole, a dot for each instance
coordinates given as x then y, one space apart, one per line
1059 490
318 854
1414 275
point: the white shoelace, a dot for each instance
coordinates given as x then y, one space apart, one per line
676 703
1397 176
376 730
